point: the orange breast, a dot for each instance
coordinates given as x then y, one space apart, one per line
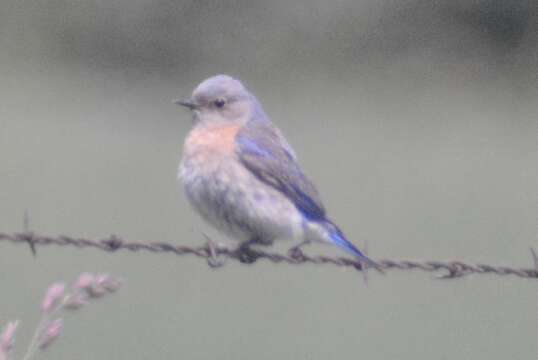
212 138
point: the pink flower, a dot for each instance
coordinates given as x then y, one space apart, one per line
75 301
104 284
84 281
53 296
111 283
51 333
7 338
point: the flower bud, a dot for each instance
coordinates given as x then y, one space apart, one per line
53 296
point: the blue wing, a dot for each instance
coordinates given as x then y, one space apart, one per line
264 152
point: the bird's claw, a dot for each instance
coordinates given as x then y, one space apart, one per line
247 256
213 260
296 253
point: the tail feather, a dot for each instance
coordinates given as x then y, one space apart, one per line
337 238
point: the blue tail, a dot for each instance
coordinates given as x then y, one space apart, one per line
338 238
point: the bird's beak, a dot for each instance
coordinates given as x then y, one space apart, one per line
188 103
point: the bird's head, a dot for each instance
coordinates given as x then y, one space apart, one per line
222 98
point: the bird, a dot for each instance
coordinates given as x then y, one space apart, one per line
241 175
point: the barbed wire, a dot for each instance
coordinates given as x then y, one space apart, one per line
216 254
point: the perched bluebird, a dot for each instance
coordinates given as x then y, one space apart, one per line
242 176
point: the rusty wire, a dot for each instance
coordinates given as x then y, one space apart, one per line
216 254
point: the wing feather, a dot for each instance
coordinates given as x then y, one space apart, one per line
265 153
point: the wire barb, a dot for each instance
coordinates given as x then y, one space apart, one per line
215 255
26 230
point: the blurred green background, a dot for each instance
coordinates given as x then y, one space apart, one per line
416 119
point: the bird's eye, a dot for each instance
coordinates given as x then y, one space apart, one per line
220 103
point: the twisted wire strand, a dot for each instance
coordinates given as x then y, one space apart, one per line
216 254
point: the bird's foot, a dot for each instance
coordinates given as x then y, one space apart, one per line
246 255
213 260
296 252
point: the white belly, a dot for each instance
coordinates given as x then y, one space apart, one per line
233 200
